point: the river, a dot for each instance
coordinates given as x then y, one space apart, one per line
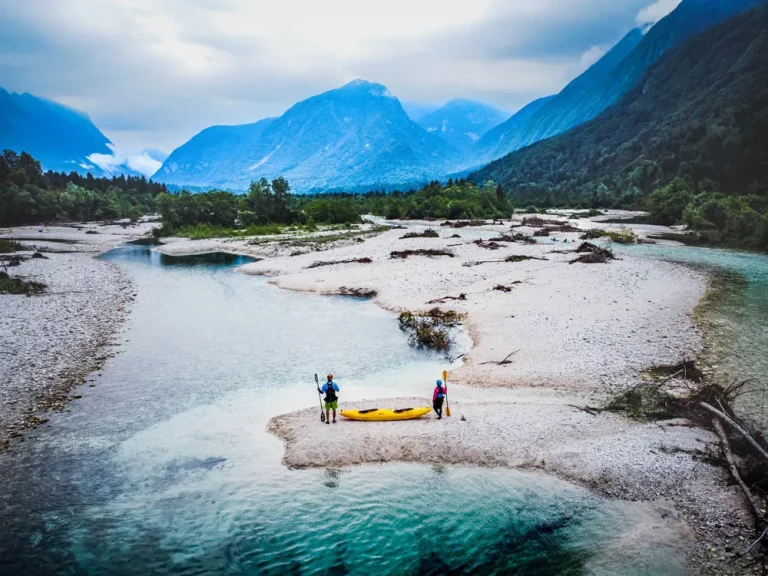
734 317
164 466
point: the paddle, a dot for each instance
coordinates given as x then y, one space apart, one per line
319 395
445 383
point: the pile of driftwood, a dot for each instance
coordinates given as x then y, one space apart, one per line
592 254
743 449
428 233
463 223
365 260
522 238
444 299
487 245
403 254
512 258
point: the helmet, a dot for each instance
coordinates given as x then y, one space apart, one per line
440 383
330 376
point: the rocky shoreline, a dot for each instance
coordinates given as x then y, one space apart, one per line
50 342
580 335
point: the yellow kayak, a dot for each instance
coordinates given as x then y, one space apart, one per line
381 414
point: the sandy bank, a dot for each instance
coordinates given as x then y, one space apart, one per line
290 243
84 237
580 326
50 342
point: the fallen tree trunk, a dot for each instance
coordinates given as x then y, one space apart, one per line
736 426
726 445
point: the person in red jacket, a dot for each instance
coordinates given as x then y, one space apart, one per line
437 398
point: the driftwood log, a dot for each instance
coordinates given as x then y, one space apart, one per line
726 446
736 426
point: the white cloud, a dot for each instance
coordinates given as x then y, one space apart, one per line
143 164
117 162
655 12
591 56
155 72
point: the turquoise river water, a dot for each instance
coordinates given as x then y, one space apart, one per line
734 316
165 466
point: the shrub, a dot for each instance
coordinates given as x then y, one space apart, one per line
7 245
428 233
430 329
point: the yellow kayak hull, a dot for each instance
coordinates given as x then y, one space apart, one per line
384 414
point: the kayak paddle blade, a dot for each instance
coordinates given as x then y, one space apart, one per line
445 382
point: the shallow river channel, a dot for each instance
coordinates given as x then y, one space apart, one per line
165 465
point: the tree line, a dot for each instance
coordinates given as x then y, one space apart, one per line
30 196
271 203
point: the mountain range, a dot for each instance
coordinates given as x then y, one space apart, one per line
462 123
609 78
64 139
700 112
466 134
354 137
360 137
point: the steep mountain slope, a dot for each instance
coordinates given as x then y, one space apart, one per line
357 136
496 141
59 136
617 72
462 123
211 156
700 113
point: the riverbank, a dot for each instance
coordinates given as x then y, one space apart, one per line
578 333
573 335
50 342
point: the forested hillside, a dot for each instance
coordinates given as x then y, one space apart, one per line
613 75
690 141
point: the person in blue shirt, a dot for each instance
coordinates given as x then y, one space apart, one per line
331 399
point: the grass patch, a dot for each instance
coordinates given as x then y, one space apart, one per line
205 231
8 245
649 403
317 241
624 236
14 285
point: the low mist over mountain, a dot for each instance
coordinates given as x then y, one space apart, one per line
60 137
354 137
462 123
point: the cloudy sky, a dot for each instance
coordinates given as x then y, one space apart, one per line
152 73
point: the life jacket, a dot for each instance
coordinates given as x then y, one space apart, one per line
440 393
330 392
